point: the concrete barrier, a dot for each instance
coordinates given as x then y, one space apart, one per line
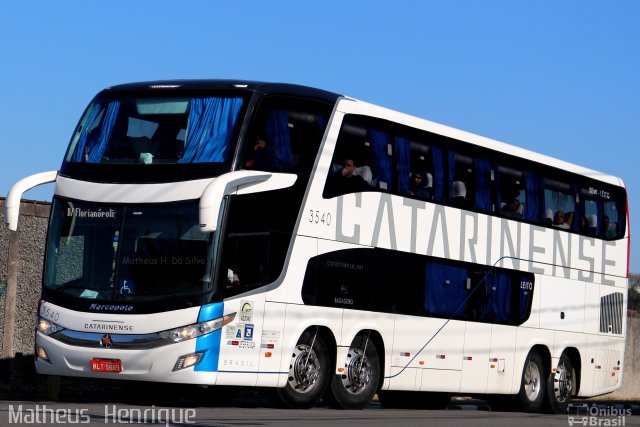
17 369
630 389
30 241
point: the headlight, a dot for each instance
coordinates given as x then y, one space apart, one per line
197 329
47 327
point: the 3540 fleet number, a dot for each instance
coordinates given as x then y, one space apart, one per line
319 217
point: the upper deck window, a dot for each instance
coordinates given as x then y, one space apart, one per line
149 139
149 131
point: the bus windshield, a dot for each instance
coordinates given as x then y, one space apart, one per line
137 137
127 253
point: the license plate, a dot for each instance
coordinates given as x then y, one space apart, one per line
106 365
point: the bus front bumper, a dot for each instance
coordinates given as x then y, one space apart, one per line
161 364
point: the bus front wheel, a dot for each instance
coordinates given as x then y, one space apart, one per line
308 372
532 385
355 386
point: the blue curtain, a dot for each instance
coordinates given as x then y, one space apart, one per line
498 297
531 209
445 290
575 224
452 162
438 171
382 167
280 139
79 153
211 121
483 184
403 149
97 151
321 124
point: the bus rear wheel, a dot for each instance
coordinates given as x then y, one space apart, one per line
355 387
560 386
308 372
532 386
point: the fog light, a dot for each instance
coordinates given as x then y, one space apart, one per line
42 354
187 361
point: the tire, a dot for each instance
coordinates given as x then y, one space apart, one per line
561 386
308 373
355 388
532 383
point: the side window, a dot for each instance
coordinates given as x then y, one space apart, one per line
559 204
512 194
589 219
407 293
363 158
256 237
613 220
419 172
461 192
285 136
340 279
446 290
592 216
603 211
470 179
517 192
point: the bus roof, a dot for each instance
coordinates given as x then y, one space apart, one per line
242 85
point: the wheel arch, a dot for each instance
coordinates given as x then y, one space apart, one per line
377 340
329 339
545 354
576 361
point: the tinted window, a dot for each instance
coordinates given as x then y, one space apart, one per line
285 135
559 204
404 283
432 167
363 159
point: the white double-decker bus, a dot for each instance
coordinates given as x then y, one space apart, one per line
272 235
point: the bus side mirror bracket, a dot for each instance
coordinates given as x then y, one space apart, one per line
239 182
12 204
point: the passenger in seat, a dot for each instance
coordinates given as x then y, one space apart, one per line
458 193
558 221
347 179
420 187
513 208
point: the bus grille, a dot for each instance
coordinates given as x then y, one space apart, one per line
611 313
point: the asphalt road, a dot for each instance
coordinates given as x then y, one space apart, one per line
251 412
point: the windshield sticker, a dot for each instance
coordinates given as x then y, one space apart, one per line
91 213
128 287
88 293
